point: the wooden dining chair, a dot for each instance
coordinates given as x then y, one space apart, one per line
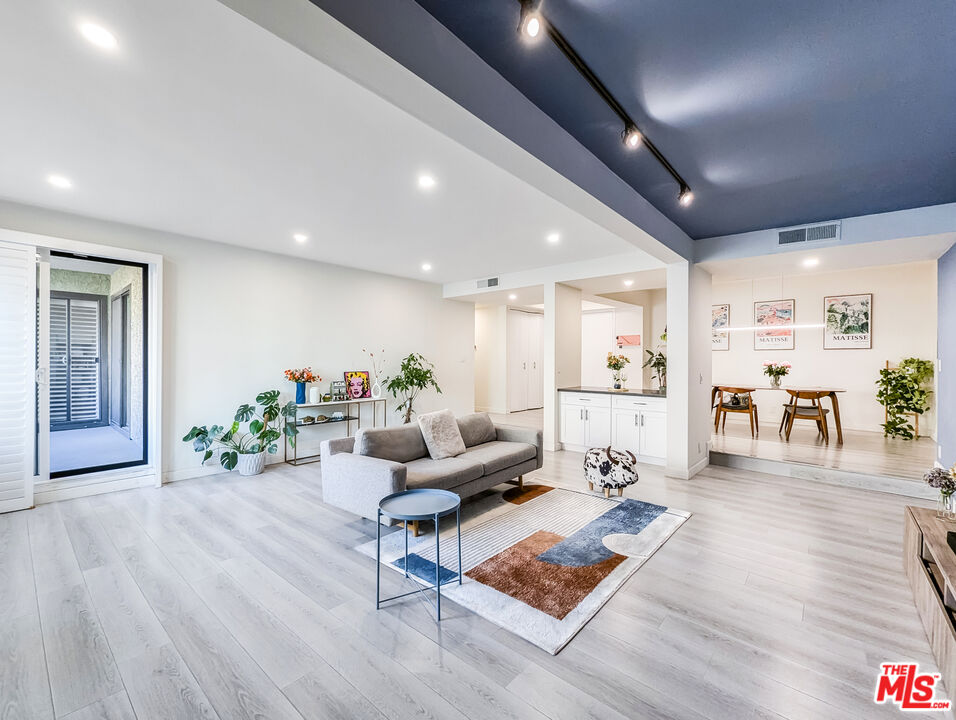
815 411
745 404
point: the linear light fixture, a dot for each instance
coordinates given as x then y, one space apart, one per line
531 23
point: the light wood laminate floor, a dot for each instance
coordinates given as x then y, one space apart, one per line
237 597
862 452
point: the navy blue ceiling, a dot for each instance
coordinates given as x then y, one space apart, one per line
775 113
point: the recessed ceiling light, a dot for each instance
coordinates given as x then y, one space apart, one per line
628 283
426 182
59 181
426 267
300 237
811 262
554 238
512 296
98 35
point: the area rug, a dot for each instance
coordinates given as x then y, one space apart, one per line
539 563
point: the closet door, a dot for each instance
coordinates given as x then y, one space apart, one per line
18 374
535 361
517 361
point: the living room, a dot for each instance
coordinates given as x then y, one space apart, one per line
349 371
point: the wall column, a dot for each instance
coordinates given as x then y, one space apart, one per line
688 369
562 352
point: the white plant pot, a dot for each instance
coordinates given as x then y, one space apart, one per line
251 463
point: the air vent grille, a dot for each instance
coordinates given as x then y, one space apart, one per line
787 237
811 233
488 282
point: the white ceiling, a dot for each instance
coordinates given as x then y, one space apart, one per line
831 259
204 124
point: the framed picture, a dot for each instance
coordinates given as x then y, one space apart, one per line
773 323
358 384
338 390
849 322
719 322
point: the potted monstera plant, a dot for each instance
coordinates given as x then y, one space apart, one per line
246 451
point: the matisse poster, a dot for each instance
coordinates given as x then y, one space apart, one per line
719 322
849 322
773 323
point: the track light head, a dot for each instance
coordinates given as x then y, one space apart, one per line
632 137
686 197
531 23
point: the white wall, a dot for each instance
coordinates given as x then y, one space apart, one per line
491 359
599 332
904 325
562 351
234 319
654 306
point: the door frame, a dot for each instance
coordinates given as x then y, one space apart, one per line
104 390
122 478
127 361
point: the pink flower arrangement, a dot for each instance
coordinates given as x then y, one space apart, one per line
775 369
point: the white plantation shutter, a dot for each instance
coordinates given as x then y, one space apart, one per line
17 375
84 360
59 359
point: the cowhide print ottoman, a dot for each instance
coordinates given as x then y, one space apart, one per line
609 469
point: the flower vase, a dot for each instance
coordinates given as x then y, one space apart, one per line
300 393
376 389
618 380
946 506
314 396
775 381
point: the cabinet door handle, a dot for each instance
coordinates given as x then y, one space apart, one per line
587 414
581 414
524 366
642 421
636 416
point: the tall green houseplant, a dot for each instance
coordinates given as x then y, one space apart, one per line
414 375
901 390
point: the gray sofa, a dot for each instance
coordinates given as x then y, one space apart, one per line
358 472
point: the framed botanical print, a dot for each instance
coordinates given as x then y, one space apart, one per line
849 322
719 322
773 323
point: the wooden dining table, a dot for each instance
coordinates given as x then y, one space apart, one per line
830 392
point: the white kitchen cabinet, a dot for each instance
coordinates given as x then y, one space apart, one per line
625 422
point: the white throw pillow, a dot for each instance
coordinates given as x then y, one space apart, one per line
441 433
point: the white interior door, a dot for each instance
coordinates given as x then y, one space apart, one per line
597 340
536 361
517 361
19 320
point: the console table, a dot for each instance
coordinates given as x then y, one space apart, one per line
930 566
348 418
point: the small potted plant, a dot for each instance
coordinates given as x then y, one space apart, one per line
616 364
944 481
300 377
657 361
775 371
246 450
414 375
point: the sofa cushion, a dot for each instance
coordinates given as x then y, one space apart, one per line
442 437
498 455
443 474
400 444
476 429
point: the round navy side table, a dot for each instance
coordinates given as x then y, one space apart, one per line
418 504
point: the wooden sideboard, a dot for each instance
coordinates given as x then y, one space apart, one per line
930 565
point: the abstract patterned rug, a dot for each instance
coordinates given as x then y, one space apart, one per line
539 563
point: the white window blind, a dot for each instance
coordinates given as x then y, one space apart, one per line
17 375
75 355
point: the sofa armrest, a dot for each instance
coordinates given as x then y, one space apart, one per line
336 445
531 436
358 482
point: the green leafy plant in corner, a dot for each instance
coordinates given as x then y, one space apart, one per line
901 390
657 361
414 375
266 425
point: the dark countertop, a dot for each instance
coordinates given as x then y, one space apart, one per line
610 391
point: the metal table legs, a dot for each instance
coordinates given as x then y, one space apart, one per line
420 589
